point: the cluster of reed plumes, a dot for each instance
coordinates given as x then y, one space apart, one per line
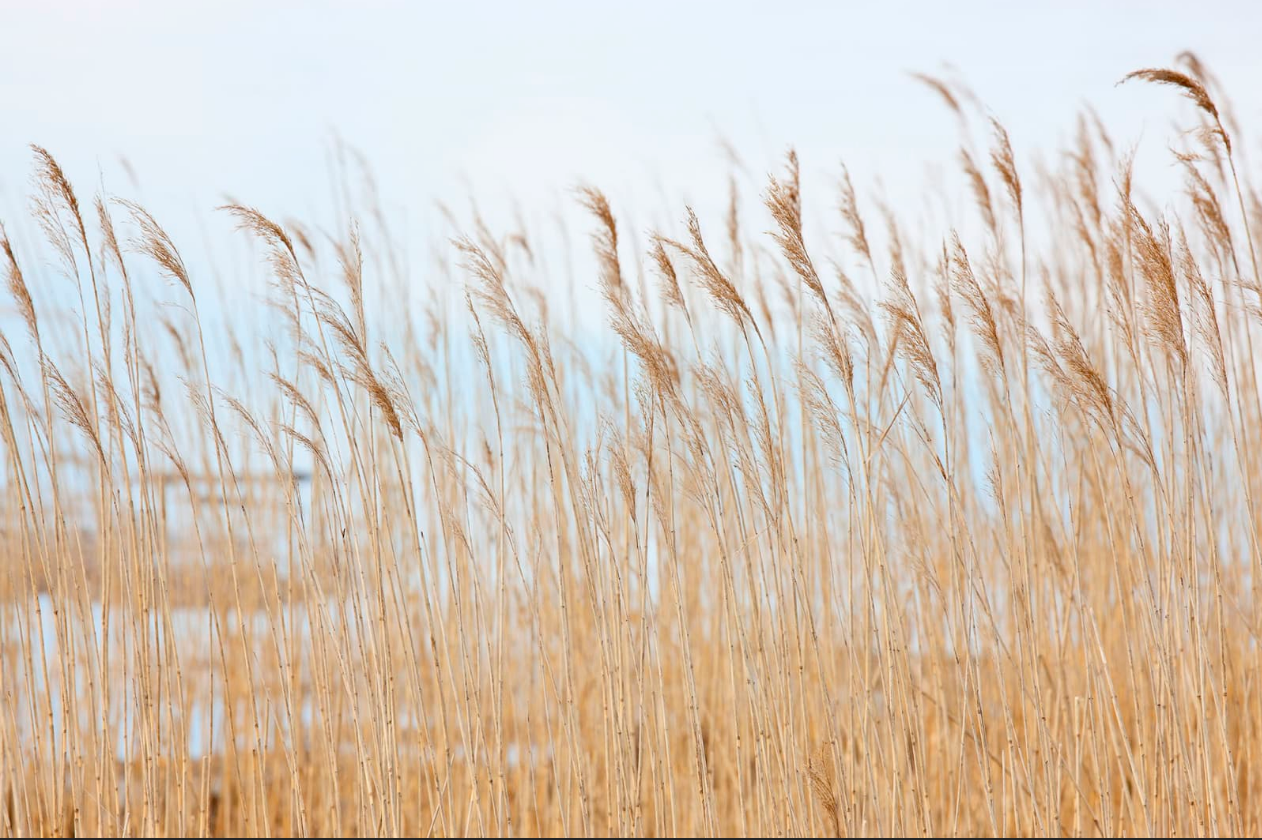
952 533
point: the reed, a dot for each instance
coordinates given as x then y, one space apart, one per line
927 528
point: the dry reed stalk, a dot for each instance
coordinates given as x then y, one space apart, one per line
385 562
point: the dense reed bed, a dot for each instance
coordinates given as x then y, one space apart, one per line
903 529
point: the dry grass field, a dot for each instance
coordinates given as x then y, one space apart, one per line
899 530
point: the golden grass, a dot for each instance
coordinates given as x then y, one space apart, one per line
865 535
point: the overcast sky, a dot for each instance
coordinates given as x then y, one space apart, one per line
241 97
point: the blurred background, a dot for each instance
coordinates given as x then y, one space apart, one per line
184 103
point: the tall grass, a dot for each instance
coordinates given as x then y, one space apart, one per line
909 530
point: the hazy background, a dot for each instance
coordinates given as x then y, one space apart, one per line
516 102
243 96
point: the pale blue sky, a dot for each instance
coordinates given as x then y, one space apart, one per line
241 96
